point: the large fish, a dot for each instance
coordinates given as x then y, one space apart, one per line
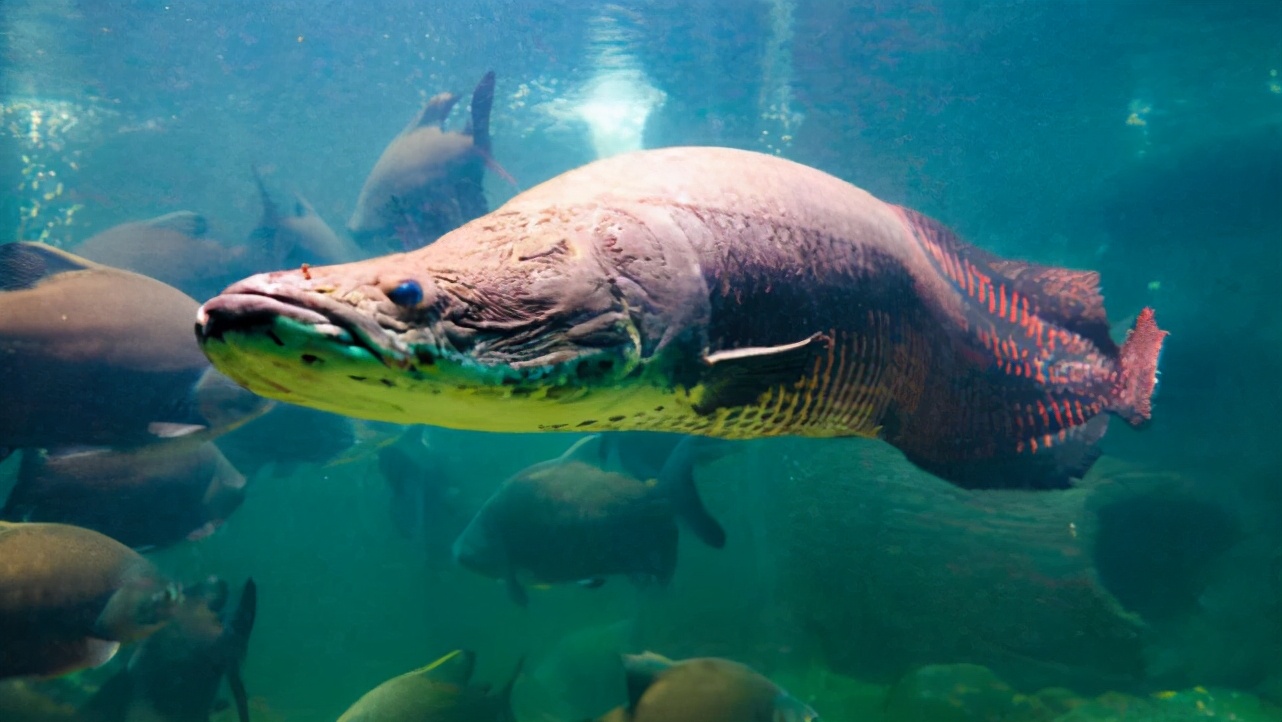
144 498
296 234
428 180
69 597
442 691
94 355
707 291
175 674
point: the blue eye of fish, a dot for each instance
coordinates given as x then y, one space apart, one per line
407 295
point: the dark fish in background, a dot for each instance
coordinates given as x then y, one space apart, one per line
99 356
175 675
571 520
428 181
703 690
424 504
440 692
296 234
174 249
69 597
144 498
288 437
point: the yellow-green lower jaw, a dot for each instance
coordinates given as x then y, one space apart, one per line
293 361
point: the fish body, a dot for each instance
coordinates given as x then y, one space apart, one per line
440 692
286 438
707 291
296 234
143 498
424 503
175 675
428 180
94 355
69 597
173 249
571 520
703 690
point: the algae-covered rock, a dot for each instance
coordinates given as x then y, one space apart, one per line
959 693
1192 705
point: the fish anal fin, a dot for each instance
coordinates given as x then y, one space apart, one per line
1067 297
188 223
434 112
739 377
24 265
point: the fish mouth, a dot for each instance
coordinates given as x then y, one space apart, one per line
275 315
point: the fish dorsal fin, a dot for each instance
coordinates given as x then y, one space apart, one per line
23 264
302 208
478 125
641 671
1065 296
271 212
454 668
589 450
188 223
438 107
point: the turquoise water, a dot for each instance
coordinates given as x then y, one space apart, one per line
1139 139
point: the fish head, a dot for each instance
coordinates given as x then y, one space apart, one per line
515 322
142 604
480 547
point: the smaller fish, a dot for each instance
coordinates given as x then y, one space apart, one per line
172 248
440 692
573 520
297 234
175 675
428 181
703 690
286 438
424 504
144 498
69 597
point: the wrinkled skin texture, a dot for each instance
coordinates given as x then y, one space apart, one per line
707 291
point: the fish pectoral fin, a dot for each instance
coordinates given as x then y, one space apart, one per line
516 591
188 223
169 430
24 265
739 377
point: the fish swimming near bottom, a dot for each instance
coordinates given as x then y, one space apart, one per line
707 291
69 597
440 692
176 674
703 690
573 520
144 498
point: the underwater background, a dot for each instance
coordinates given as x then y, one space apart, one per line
1142 139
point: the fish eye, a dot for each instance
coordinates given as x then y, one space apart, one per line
407 295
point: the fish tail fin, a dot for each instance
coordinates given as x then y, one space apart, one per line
1137 370
240 627
677 477
504 694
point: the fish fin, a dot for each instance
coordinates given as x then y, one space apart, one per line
212 591
592 582
434 112
238 692
640 671
67 452
739 377
1137 369
241 624
677 480
590 450
515 591
482 102
1053 467
169 430
504 693
456 667
303 207
23 264
188 223
1068 297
